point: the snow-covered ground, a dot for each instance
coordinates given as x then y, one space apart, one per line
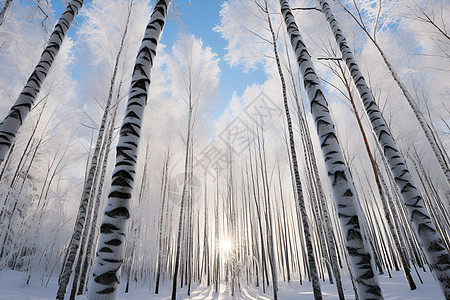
12 286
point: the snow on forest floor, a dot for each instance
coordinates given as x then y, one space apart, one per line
12 286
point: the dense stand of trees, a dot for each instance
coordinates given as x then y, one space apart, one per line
252 208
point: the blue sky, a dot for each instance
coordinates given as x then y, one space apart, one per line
200 17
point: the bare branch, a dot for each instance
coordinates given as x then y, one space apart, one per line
427 19
329 58
258 35
306 8
376 22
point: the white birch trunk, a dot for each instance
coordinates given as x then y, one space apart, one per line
19 111
80 222
90 184
338 173
432 137
440 153
5 11
161 222
184 194
93 231
110 251
310 156
430 239
301 201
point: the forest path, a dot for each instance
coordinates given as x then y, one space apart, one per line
12 286
246 293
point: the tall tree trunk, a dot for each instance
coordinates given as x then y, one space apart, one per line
300 200
217 237
430 239
339 176
163 195
268 213
84 238
80 229
310 156
28 147
93 225
431 135
110 251
7 160
377 175
19 111
206 232
284 228
184 194
89 232
5 11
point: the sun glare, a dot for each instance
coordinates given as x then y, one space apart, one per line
225 246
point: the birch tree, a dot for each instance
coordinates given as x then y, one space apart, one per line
298 184
4 11
377 175
94 227
19 111
430 239
90 183
314 174
431 135
184 193
338 173
163 195
194 67
110 250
